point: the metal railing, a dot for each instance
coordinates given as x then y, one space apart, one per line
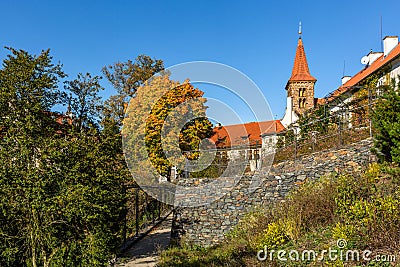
344 126
143 211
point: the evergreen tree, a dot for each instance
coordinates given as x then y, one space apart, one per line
386 120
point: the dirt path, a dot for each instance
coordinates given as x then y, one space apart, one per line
144 252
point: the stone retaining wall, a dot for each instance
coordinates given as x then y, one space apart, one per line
207 225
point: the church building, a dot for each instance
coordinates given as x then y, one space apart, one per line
300 87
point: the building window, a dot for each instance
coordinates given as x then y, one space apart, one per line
256 156
253 154
302 92
250 154
302 103
379 91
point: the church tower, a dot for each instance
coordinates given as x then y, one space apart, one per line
300 87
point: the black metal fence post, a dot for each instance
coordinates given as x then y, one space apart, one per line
137 210
125 220
159 208
153 210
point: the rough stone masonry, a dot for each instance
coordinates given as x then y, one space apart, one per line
207 225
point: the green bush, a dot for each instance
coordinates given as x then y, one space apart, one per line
272 237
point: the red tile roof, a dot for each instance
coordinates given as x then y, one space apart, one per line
367 71
300 71
59 118
63 119
319 101
274 128
240 134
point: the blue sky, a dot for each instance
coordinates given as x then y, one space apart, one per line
258 38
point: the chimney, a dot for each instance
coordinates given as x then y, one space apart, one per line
372 56
345 79
389 42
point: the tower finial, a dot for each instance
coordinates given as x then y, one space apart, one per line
300 29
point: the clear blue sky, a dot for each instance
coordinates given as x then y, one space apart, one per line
256 37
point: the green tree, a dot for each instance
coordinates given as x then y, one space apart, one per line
315 120
61 191
386 120
28 88
127 77
83 99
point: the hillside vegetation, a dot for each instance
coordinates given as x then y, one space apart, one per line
361 209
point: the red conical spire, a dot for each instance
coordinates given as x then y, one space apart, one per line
300 70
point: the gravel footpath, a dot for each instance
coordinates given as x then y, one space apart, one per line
145 251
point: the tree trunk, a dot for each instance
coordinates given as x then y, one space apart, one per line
33 251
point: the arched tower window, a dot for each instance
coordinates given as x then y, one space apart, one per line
302 103
302 92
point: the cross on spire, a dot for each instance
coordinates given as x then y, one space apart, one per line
300 29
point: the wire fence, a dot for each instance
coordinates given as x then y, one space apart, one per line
316 141
337 126
336 130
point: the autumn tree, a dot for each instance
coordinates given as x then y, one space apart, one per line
126 78
165 116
